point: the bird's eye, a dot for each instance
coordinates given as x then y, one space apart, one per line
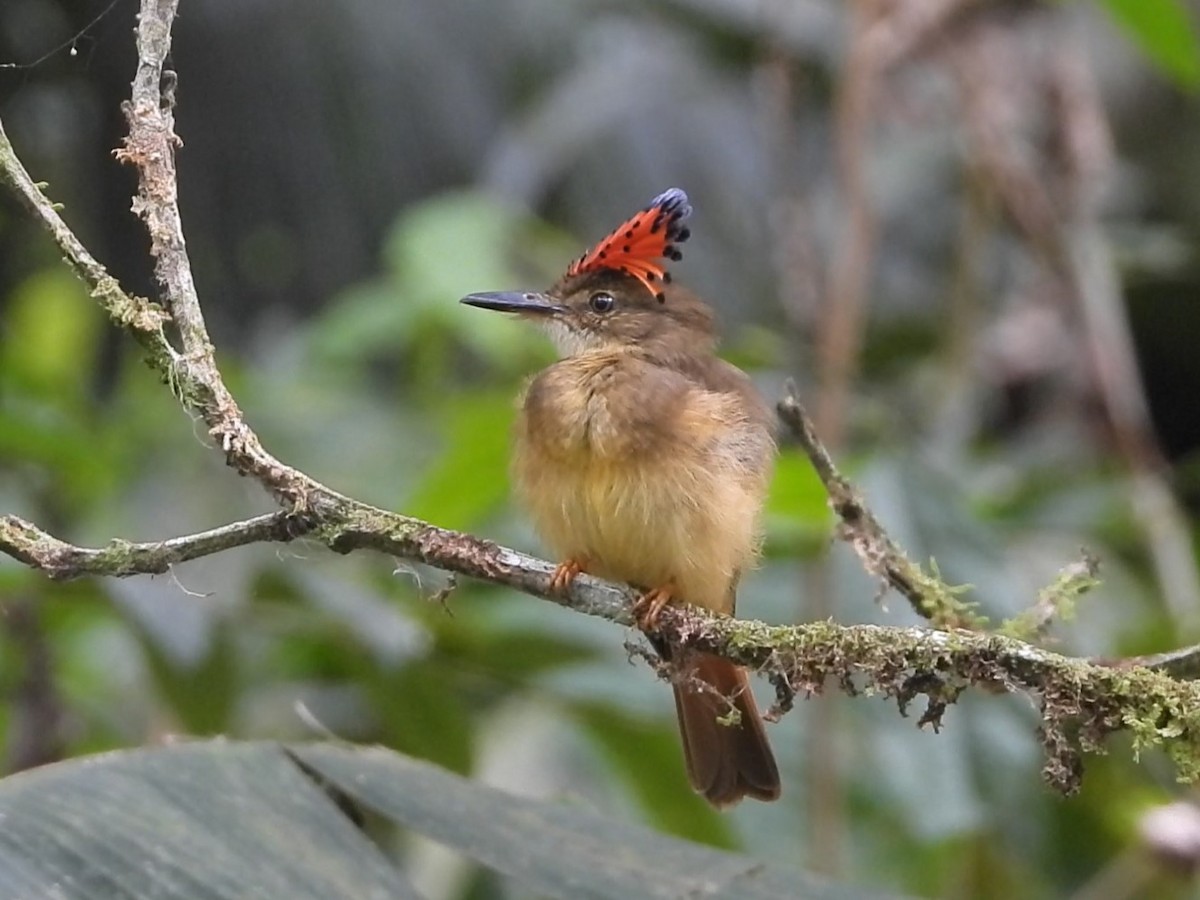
602 302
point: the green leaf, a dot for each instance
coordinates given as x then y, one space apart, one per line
207 820
470 479
796 491
436 252
552 850
52 335
1164 32
798 520
220 819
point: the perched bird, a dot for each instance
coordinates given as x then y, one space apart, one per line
643 457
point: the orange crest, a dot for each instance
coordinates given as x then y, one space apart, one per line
636 247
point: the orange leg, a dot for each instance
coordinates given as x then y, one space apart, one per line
650 604
565 573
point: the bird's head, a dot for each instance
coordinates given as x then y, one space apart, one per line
618 295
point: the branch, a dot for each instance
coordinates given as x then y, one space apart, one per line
929 597
1081 702
363 528
27 543
193 374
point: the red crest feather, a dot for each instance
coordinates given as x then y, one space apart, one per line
636 247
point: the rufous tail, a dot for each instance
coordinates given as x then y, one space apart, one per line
724 762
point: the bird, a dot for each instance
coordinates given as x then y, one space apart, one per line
643 457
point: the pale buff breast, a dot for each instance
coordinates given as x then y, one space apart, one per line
645 512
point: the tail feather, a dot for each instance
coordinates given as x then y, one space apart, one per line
724 762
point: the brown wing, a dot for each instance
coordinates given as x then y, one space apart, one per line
753 443
715 374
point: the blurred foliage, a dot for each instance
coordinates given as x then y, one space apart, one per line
1165 31
338 330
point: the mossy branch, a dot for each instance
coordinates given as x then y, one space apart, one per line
1081 701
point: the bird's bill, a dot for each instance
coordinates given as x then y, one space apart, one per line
514 302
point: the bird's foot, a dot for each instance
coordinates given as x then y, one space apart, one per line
650 604
564 574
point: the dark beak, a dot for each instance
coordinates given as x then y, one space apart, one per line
514 302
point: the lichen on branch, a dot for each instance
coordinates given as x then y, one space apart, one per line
1081 702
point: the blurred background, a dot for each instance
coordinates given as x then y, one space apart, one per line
968 230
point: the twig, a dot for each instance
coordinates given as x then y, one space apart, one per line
1182 664
150 147
908 28
879 554
356 527
1056 600
31 545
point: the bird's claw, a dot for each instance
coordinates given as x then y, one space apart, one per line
650 604
564 573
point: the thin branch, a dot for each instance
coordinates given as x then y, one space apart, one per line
1182 664
839 341
1081 701
29 544
1056 600
192 375
879 554
150 147
141 318
365 528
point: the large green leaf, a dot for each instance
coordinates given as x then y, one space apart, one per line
470 479
196 821
554 851
220 819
